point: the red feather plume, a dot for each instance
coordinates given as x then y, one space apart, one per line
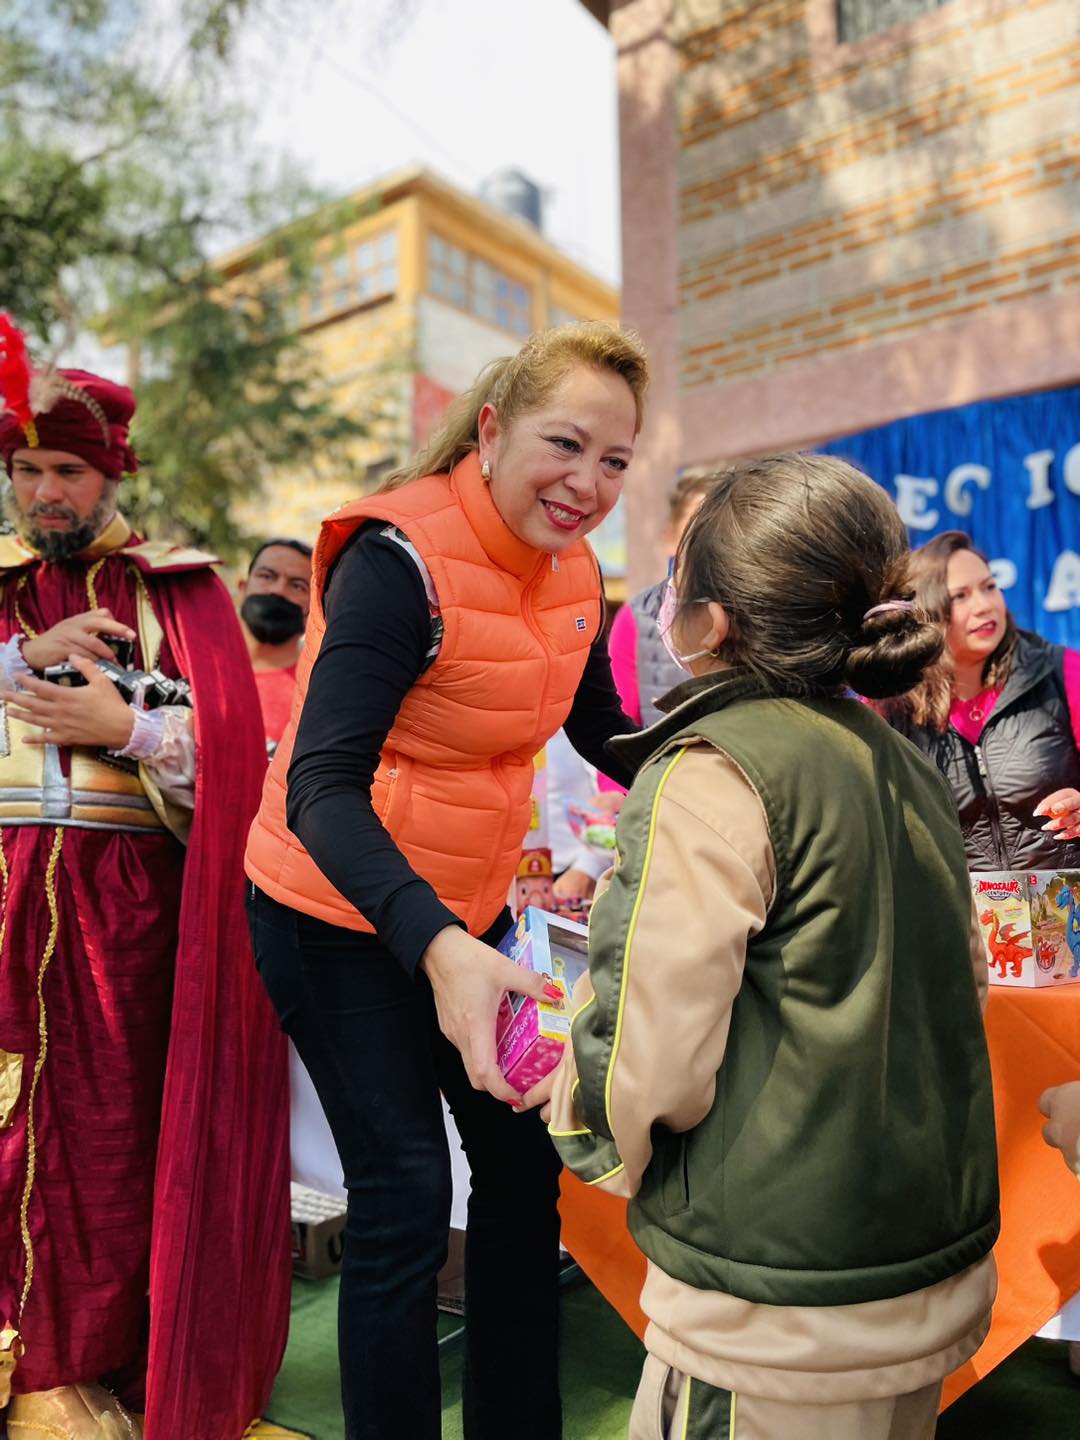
15 373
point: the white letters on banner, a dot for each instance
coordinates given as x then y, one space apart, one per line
1037 464
1064 590
955 498
914 494
1005 573
1072 470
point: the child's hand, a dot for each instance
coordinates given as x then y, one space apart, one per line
1061 1105
575 885
540 1094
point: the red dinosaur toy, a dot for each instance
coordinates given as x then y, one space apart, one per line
1005 948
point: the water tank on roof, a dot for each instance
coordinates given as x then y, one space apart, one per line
515 193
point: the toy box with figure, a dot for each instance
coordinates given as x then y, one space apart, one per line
534 882
1031 926
530 1034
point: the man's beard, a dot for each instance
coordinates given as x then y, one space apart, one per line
58 545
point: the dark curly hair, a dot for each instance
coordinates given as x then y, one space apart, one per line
930 701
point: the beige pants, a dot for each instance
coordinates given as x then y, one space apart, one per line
672 1406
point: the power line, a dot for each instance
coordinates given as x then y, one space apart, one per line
406 119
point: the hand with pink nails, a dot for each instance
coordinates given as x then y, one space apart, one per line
1062 810
469 980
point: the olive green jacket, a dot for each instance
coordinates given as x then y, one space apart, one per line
825 1135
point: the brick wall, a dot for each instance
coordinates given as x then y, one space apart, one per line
833 198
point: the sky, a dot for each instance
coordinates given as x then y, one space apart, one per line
464 87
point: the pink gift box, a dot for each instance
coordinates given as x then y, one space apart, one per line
530 1034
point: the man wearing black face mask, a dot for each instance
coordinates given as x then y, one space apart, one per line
275 599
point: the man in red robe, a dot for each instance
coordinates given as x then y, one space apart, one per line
143 1105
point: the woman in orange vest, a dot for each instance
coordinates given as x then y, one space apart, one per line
456 624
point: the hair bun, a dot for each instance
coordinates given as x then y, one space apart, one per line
894 648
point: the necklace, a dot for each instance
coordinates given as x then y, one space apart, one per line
976 707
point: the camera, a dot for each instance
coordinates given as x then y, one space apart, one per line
123 649
148 689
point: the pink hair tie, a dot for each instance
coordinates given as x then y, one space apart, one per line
889 605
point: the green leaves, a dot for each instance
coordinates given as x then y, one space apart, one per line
225 397
124 170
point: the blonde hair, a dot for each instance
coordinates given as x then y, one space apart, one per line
517 384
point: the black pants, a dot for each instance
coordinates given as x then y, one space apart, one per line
370 1041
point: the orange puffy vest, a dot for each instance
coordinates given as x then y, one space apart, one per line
455 775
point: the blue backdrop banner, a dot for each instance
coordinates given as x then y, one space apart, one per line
1008 473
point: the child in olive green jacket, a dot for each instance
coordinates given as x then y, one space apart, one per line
778 1055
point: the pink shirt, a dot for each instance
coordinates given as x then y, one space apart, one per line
968 717
622 647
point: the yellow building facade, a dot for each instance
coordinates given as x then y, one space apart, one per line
413 288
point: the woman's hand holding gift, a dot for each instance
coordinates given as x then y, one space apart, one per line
469 980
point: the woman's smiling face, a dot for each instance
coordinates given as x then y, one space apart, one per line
976 609
557 471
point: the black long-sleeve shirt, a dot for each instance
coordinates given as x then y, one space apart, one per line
378 635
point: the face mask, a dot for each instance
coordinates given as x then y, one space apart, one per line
272 619
666 619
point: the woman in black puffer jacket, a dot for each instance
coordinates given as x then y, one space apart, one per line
1000 717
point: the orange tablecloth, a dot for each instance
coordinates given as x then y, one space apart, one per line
1034 1038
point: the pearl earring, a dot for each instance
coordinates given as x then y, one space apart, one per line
485 470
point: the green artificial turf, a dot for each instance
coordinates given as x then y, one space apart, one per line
601 1362
1031 1396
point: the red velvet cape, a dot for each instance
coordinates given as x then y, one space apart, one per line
220 1251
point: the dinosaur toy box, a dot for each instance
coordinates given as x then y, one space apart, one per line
530 1034
1031 925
